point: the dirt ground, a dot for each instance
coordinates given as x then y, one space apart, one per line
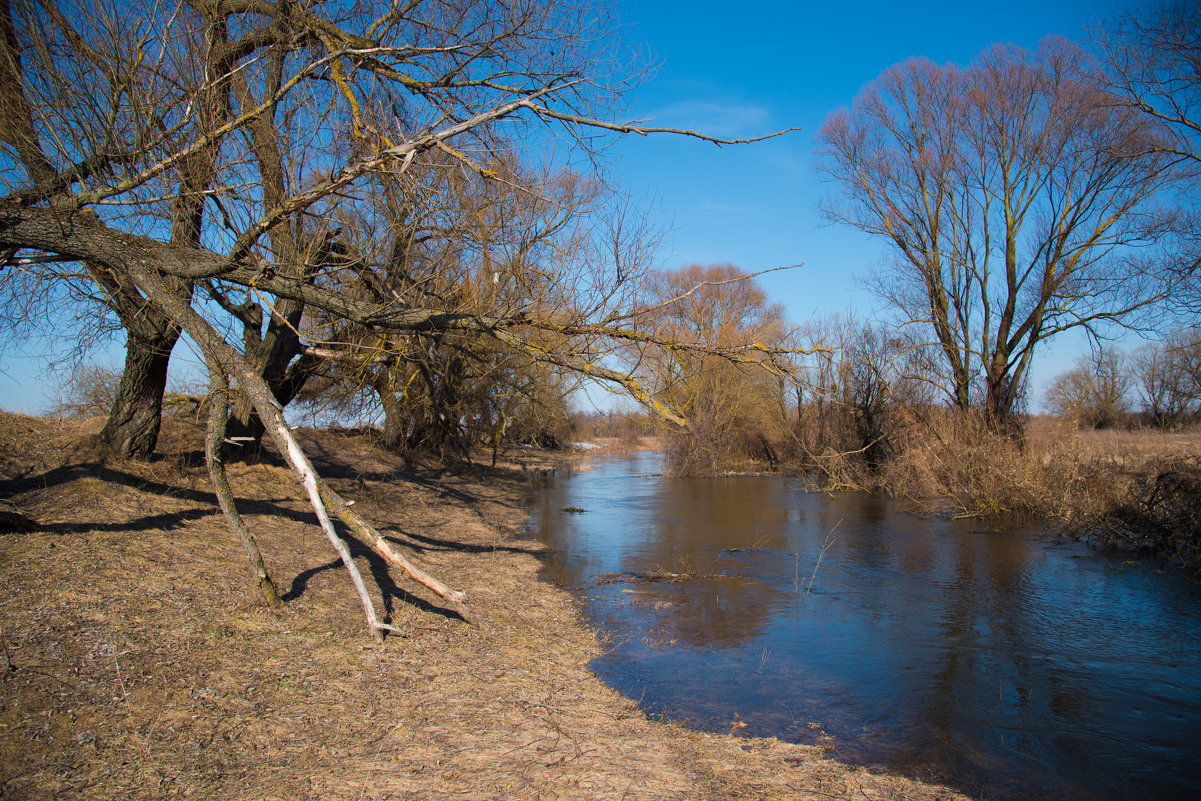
137 662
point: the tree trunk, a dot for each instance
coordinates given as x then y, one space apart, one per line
133 423
999 403
244 432
321 496
395 419
218 417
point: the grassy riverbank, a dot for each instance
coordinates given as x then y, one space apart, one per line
1138 489
1134 489
137 662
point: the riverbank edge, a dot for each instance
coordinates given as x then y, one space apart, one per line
1126 491
139 664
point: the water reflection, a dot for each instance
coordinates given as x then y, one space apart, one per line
1006 665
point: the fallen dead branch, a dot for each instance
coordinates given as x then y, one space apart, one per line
650 577
228 362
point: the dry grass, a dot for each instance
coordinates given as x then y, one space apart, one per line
1144 492
957 466
136 662
1138 489
1124 447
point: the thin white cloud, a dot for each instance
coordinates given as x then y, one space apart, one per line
725 119
722 209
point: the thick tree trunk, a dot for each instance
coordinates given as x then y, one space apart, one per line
395 420
999 403
321 496
133 422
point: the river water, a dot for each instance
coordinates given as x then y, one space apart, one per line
1000 662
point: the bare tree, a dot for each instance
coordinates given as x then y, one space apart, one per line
1096 392
732 407
83 133
148 143
200 125
1014 208
1151 63
1168 378
480 246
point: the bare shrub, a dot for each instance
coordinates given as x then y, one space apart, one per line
957 464
1139 490
1160 514
854 402
1095 392
87 391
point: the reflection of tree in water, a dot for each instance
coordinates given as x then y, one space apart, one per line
702 612
969 644
990 658
701 521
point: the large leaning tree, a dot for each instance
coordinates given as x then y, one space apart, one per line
196 161
193 122
1018 202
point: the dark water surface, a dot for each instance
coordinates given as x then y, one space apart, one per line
997 661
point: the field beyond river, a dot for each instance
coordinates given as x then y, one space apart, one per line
137 662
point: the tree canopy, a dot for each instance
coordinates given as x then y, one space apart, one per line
214 167
1018 203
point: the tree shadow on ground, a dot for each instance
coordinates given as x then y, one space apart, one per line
380 574
424 542
74 472
330 467
61 476
333 465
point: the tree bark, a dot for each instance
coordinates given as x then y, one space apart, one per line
133 422
396 421
218 415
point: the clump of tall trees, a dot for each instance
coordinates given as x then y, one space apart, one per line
1168 379
1021 196
1158 385
356 193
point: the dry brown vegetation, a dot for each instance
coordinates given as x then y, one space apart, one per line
138 663
1138 489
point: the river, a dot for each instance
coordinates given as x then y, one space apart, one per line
1001 662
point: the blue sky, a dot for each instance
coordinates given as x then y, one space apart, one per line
769 66
743 71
